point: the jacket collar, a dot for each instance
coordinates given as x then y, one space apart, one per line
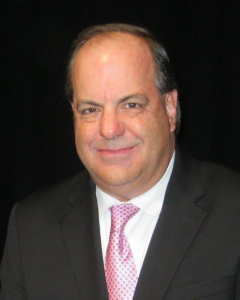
181 217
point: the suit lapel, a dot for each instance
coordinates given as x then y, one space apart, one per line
81 235
178 224
182 215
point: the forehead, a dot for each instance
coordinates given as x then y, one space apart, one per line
112 67
117 46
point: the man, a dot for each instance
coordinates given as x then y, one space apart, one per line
183 239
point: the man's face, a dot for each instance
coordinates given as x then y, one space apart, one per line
124 129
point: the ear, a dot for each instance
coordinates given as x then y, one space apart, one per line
72 105
171 101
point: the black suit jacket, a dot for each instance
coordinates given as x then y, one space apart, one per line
53 248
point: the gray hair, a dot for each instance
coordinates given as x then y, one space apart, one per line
164 79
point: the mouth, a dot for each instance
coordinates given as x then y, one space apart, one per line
115 152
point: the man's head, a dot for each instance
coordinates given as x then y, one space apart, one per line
164 79
124 107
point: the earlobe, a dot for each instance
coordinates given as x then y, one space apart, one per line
171 102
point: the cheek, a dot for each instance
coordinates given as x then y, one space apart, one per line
157 132
83 135
136 126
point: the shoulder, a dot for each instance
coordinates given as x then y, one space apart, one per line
218 178
210 174
221 187
214 184
55 199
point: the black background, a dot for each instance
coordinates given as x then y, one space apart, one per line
36 131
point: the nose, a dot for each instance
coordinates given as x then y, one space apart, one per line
111 125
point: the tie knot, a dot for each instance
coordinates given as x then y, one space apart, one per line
121 214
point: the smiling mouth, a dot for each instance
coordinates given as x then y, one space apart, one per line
115 152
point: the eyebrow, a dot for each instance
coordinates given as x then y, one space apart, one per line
90 102
134 96
121 100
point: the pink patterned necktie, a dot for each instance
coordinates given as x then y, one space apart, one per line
120 269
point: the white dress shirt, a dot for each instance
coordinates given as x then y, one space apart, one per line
139 228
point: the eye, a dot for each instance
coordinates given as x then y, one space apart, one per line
89 110
133 105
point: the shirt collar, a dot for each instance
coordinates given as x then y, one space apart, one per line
150 202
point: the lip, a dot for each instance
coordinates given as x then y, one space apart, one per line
115 152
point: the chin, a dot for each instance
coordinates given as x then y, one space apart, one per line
113 178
